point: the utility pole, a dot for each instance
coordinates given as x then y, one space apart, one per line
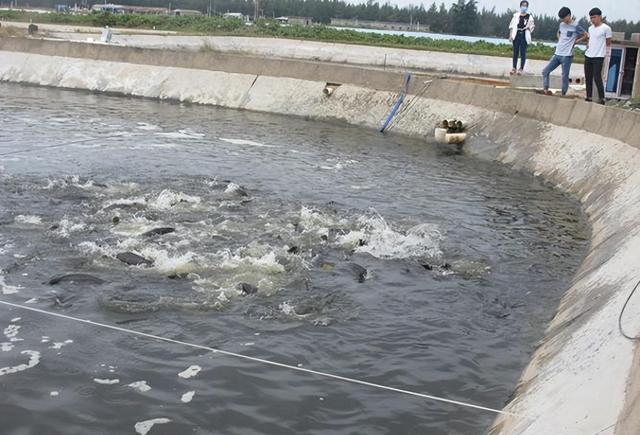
256 11
210 8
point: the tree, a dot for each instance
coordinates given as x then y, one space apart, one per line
464 18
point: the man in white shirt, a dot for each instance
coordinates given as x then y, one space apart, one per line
599 43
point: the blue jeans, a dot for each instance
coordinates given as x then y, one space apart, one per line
520 48
554 63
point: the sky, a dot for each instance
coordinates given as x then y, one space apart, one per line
618 9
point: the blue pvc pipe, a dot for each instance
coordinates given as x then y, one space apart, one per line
396 106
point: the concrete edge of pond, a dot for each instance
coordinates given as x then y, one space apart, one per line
582 379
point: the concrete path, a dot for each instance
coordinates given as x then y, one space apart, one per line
392 58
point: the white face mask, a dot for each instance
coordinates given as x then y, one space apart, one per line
524 9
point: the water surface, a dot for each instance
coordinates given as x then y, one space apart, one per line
374 257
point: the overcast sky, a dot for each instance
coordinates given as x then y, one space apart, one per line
618 9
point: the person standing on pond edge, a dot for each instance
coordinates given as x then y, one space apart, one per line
598 48
520 29
570 33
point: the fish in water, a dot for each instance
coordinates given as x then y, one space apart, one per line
247 289
360 272
159 231
133 259
75 278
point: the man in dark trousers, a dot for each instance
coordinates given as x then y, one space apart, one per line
599 45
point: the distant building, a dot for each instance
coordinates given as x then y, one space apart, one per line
185 12
300 21
379 25
125 9
236 15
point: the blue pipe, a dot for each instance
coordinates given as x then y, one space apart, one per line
403 93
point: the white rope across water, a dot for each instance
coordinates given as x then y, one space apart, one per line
264 361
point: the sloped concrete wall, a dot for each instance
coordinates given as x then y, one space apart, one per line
582 379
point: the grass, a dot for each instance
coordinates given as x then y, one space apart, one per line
202 25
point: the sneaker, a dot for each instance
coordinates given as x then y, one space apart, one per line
513 72
602 102
548 92
588 100
520 72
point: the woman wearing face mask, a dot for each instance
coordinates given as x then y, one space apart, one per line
520 30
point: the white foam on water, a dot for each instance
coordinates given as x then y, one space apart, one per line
190 372
247 142
339 165
287 308
66 227
232 188
54 394
60 345
384 242
143 427
16 319
186 133
11 332
147 127
28 220
6 347
267 263
317 222
34 360
167 199
73 180
89 247
187 397
140 386
167 262
106 381
135 226
32 301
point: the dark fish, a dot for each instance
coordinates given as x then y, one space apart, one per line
75 278
247 289
127 321
305 308
359 271
133 259
159 231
